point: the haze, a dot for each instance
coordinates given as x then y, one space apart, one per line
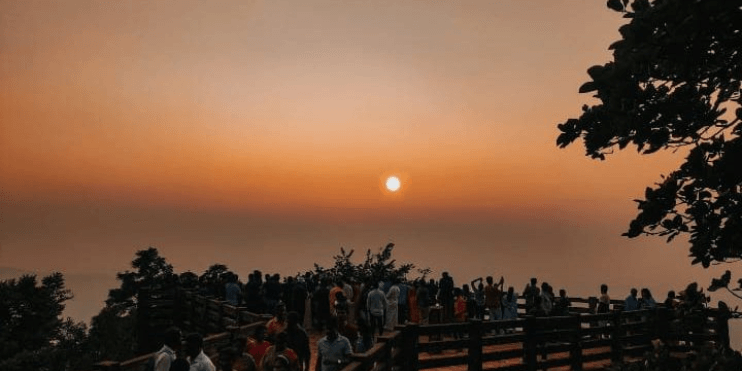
259 135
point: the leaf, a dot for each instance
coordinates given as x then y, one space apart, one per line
588 87
615 5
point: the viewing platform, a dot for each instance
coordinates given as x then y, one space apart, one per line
580 341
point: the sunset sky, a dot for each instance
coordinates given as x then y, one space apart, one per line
259 135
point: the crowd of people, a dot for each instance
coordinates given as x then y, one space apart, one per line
353 314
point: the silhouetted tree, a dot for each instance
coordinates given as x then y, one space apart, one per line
33 335
117 332
674 82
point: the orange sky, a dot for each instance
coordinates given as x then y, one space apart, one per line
249 132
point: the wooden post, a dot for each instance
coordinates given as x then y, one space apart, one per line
529 346
475 345
576 351
107 366
616 335
410 336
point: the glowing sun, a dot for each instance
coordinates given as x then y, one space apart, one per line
392 183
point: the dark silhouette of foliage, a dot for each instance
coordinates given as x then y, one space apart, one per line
114 331
674 82
376 267
33 335
152 270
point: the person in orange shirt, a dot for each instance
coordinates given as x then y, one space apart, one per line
257 345
270 360
338 288
278 323
460 313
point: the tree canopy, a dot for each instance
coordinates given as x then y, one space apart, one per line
674 82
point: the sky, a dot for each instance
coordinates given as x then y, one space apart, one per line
259 135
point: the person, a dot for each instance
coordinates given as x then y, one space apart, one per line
365 336
561 304
647 301
232 290
333 350
422 294
478 288
280 348
445 296
345 327
257 345
547 299
530 293
272 292
321 304
337 289
631 302
242 360
604 301
402 305
471 303
376 304
413 310
493 298
196 357
510 304
298 340
277 324
167 354
392 307
670 302
460 307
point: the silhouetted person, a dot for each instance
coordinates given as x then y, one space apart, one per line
280 349
561 304
298 340
276 324
169 351
510 304
670 301
604 301
194 350
422 293
445 296
647 301
392 307
232 290
530 293
257 345
376 304
631 302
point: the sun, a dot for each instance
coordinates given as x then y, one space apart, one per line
392 183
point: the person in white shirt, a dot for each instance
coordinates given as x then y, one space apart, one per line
165 356
194 350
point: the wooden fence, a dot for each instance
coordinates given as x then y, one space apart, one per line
578 341
223 324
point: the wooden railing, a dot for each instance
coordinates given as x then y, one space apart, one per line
223 323
579 341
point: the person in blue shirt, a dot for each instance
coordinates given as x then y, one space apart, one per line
631 302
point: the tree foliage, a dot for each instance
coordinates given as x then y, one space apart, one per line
378 266
33 334
674 82
151 270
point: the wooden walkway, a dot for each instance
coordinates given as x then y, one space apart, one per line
579 341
